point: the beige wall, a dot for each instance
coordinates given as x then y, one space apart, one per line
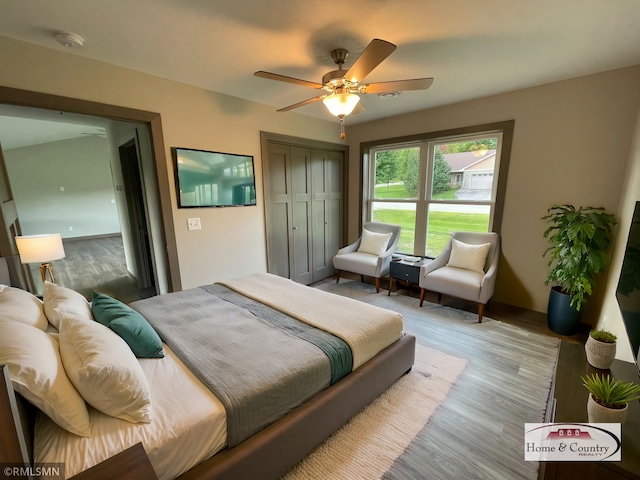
232 240
62 185
571 145
611 319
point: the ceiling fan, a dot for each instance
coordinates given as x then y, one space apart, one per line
342 87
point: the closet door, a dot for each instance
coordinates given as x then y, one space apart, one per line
326 189
301 231
304 209
277 191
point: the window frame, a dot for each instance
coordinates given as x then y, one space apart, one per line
427 143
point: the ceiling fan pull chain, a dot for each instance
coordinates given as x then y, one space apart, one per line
342 129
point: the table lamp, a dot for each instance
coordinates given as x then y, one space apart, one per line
41 249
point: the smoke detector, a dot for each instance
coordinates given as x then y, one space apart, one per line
69 40
388 94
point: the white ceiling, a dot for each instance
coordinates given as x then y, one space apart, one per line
472 48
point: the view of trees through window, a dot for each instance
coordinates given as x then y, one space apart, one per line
455 192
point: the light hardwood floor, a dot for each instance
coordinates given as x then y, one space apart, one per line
96 264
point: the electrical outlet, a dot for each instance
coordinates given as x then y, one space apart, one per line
70 228
193 223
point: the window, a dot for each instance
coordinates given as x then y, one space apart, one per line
434 186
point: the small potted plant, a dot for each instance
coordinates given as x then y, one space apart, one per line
600 349
608 398
578 242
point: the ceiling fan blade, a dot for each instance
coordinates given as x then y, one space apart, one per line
370 58
398 85
284 78
302 104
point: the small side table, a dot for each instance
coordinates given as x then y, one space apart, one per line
409 272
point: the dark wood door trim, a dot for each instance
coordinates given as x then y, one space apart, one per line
25 98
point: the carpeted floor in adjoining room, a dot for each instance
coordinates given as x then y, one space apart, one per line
476 432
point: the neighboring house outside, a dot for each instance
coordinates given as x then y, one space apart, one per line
470 172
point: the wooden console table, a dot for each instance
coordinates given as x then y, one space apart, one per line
571 406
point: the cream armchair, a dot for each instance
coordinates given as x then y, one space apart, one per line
370 255
465 269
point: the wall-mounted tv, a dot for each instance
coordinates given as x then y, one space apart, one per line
628 291
213 179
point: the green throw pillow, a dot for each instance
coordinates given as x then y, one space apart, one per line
129 324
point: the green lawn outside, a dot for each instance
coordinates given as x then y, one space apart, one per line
440 226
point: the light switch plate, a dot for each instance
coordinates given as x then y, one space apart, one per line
193 223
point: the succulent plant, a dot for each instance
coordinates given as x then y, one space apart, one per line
603 336
609 392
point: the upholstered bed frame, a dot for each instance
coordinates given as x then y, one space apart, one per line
267 454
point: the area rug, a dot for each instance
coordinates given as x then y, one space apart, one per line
477 432
367 446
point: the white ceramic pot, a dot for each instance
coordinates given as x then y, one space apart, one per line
600 354
599 414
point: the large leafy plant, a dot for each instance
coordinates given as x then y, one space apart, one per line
579 239
609 392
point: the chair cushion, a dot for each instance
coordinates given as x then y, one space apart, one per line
374 243
457 282
357 262
467 256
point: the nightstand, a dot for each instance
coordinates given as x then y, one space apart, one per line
401 269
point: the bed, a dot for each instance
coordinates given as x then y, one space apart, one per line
306 395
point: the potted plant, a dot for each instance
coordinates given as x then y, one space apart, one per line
608 398
578 242
600 349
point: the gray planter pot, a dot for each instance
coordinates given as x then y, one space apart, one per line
600 354
599 414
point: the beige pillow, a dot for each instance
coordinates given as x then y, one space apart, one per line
21 306
374 243
467 256
38 375
104 369
63 299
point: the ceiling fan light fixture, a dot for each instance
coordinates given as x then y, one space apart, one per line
341 104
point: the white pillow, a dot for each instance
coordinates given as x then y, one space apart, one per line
469 257
104 369
64 299
38 375
21 306
374 243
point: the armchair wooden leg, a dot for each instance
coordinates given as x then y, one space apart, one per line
439 297
480 312
377 285
362 278
338 272
422 291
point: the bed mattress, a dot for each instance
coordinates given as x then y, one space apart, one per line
188 426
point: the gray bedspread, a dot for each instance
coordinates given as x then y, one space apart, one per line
238 356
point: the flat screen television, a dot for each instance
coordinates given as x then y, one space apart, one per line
213 179
628 291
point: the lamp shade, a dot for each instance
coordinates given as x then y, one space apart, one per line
341 104
40 248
